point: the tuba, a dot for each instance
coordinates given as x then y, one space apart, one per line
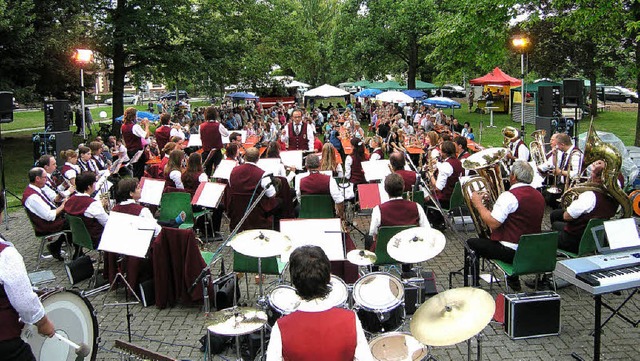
509 133
488 181
537 147
595 149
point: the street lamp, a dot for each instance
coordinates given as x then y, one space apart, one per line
83 57
521 43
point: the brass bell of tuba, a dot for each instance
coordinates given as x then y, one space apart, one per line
509 133
537 147
595 149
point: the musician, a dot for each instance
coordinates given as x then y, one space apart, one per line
572 222
273 152
315 182
211 133
18 304
45 216
163 132
70 169
517 149
377 145
516 212
56 192
128 192
410 178
461 147
295 336
244 179
298 135
330 162
97 157
236 138
449 172
133 135
82 205
353 165
570 165
193 175
173 169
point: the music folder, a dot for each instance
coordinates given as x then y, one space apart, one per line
324 233
127 234
376 169
195 141
371 195
151 190
292 158
208 194
223 170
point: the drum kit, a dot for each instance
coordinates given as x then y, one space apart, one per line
378 298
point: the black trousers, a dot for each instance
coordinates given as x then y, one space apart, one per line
485 248
15 350
566 241
212 162
138 167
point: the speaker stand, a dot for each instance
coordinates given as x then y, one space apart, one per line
5 191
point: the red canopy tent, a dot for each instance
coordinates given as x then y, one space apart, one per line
498 77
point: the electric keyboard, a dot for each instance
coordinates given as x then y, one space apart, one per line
602 273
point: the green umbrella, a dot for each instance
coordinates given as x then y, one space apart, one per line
362 83
424 85
390 85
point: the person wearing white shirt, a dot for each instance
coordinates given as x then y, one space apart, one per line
517 149
298 135
314 182
82 205
571 161
128 194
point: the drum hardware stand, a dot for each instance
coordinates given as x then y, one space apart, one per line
126 302
349 220
479 346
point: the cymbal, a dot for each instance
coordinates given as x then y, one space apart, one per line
234 321
361 257
416 245
452 316
260 243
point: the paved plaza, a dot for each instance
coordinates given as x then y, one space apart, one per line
175 331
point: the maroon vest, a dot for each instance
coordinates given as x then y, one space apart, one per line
210 136
399 212
9 318
357 174
191 181
76 206
132 141
168 181
300 141
163 134
409 178
315 183
605 208
66 168
516 148
243 179
446 192
133 209
527 219
379 152
302 331
41 226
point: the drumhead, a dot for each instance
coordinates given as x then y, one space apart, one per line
378 291
73 317
284 299
397 346
339 292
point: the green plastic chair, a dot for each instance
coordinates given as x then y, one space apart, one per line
536 254
171 204
418 197
316 206
384 236
82 238
246 264
587 244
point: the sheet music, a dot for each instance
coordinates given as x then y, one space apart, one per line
195 141
243 133
384 196
299 176
292 158
127 234
376 169
136 157
622 233
209 194
151 190
223 170
324 233
269 165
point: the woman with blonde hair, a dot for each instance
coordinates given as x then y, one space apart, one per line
173 169
329 160
378 147
70 169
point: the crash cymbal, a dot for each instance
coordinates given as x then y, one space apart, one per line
236 321
361 257
416 245
452 316
260 243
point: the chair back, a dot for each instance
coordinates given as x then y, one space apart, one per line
457 199
587 242
536 253
384 236
246 264
171 204
415 196
316 206
81 235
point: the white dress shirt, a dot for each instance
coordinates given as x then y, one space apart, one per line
39 206
95 210
523 151
334 190
585 203
376 218
445 170
176 176
310 137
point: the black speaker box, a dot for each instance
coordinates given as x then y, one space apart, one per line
6 107
573 93
57 115
548 101
79 269
51 143
529 315
546 124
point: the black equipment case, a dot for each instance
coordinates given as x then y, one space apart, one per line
528 315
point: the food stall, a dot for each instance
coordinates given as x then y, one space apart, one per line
496 87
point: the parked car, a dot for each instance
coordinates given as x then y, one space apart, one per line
452 91
617 94
182 95
126 98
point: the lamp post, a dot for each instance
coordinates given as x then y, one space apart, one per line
82 58
521 43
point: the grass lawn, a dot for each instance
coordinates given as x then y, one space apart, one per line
17 147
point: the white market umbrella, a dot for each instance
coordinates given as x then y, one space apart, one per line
393 96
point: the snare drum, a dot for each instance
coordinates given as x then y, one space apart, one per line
379 298
282 301
397 346
73 317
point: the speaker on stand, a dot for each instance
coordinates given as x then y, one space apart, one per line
573 97
57 115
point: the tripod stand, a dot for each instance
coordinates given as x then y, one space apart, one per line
5 191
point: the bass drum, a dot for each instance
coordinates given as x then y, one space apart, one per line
73 317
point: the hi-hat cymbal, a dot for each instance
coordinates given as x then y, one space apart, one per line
260 243
361 257
452 316
416 245
236 321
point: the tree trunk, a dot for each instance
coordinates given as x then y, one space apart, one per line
119 57
413 62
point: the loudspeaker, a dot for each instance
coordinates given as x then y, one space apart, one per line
573 90
52 143
6 107
529 315
548 101
57 115
546 124
79 269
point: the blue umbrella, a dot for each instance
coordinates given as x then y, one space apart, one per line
368 93
241 95
442 102
143 114
415 94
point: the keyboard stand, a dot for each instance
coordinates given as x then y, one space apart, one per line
616 311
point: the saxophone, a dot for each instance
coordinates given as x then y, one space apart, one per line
595 149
